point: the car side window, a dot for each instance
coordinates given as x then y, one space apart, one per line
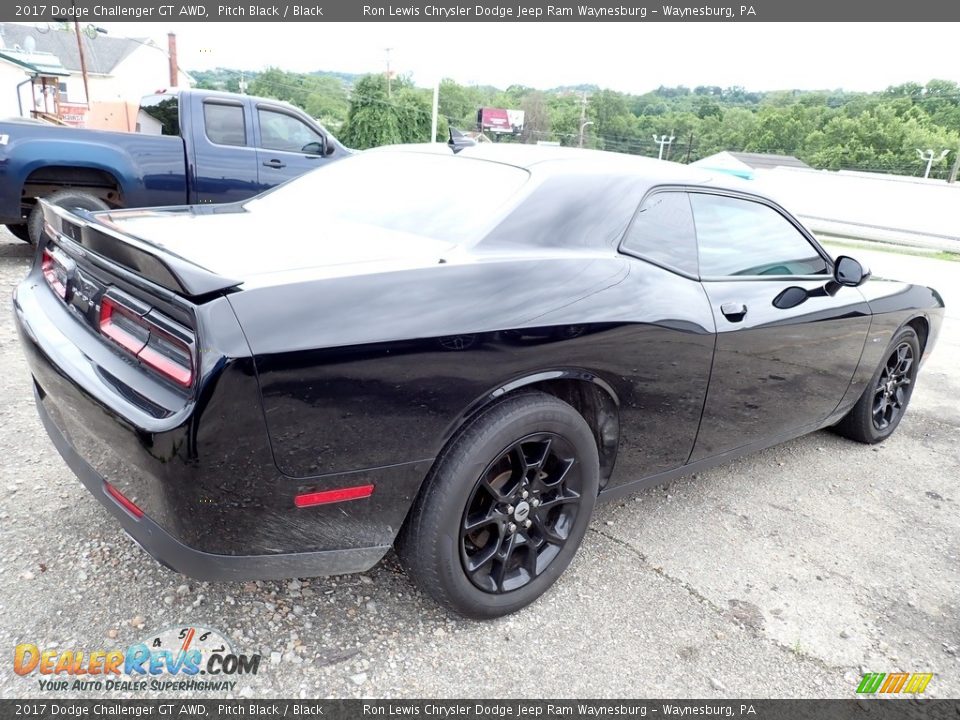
224 124
742 237
662 231
279 131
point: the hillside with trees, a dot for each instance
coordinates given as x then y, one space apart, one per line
875 132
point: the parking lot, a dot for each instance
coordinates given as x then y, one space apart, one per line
785 574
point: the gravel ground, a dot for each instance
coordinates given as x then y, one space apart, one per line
785 574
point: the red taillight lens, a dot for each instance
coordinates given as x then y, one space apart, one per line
54 273
143 337
169 357
333 496
124 327
125 502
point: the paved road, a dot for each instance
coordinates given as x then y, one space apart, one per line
785 574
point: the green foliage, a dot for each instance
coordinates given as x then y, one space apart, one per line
379 116
828 129
322 97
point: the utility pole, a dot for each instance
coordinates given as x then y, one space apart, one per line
663 140
955 168
389 76
434 118
83 61
928 156
689 148
583 115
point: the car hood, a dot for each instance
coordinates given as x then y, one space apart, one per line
243 245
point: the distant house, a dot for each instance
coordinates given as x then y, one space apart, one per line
743 164
24 76
118 69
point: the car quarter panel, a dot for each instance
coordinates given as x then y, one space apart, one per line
376 369
892 304
202 472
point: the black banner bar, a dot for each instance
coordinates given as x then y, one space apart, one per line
864 709
483 11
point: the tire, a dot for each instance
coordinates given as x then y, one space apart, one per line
19 231
884 401
479 475
67 199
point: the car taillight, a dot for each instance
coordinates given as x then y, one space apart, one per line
54 273
156 341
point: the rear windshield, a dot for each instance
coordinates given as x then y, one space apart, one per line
438 196
159 115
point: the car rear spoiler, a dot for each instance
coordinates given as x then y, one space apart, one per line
88 233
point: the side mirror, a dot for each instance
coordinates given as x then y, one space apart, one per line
313 148
329 147
849 272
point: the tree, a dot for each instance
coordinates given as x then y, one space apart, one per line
376 118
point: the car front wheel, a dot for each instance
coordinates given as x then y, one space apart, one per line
885 399
505 508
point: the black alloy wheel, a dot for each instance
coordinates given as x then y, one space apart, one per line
520 513
892 390
883 402
505 507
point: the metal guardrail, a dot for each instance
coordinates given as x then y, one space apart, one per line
877 233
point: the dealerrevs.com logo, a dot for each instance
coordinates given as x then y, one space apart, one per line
183 658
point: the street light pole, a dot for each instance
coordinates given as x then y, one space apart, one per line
588 122
928 156
662 141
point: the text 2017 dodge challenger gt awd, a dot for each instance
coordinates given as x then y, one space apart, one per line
456 355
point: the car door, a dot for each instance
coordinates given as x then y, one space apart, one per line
788 336
287 146
670 349
224 159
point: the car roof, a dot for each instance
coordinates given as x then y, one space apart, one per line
548 160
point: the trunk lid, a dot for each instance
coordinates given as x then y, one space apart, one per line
231 242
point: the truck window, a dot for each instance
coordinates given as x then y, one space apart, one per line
279 131
224 124
159 115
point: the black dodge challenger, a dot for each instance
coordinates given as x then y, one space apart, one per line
456 355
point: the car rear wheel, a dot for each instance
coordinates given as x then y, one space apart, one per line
505 508
19 231
881 407
67 199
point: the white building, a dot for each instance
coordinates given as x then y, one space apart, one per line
118 69
24 72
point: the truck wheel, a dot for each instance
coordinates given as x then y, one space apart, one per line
504 509
19 231
67 199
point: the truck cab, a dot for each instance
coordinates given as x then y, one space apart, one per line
189 147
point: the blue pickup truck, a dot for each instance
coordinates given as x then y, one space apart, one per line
191 147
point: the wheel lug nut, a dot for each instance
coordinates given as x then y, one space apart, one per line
535 502
509 509
528 523
524 494
511 528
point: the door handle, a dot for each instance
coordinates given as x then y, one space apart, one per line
276 164
733 312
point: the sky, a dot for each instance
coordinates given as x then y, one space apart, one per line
629 57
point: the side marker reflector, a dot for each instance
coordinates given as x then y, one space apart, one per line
124 502
333 496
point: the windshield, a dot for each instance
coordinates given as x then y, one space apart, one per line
438 196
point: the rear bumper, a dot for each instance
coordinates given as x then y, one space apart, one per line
181 558
215 506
